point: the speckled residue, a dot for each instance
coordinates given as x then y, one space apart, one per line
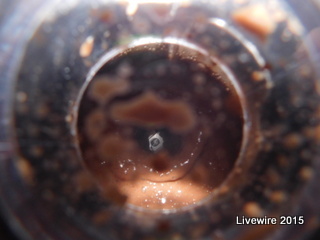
117 120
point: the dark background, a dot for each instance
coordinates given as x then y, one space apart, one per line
6 234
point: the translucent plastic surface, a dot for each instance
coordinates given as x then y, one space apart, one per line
159 119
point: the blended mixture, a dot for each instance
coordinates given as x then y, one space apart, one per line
160 127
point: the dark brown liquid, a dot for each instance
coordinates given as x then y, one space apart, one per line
160 127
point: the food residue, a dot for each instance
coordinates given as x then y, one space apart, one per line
256 19
150 110
105 88
86 47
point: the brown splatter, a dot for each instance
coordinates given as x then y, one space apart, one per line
113 146
25 170
105 88
278 196
106 16
292 141
317 133
256 19
113 194
140 25
306 173
268 66
258 232
95 124
42 111
86 47
160 162
199 174
233 104
253 209
257 76
83 181
199 80
283 161
176 236
150 110
159 13
69 118
273 177
224 189
102 217
163 225
36 151
199 231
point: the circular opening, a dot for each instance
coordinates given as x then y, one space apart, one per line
160 126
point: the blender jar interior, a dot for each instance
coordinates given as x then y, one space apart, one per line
159 119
